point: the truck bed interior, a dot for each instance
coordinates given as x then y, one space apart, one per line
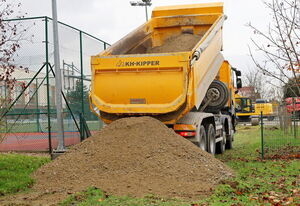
164 35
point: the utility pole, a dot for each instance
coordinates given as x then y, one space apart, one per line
144 3
58 83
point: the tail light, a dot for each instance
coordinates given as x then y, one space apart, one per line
187 134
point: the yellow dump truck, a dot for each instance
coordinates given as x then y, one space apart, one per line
171 68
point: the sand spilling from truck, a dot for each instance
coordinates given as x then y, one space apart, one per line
179 43
132 156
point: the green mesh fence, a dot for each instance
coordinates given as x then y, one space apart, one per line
28 114
280 137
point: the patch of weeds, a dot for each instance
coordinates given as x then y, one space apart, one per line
258 182
94 196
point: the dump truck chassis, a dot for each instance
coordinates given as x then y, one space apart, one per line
218 130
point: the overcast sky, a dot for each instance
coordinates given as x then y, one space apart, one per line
110 20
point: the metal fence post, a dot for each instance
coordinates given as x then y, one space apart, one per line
37 108
262 135
58 83
48 89
6 100
81 74
294 117
81 127
81 83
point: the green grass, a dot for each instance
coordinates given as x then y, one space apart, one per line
94 196
257 181
94 125
15 172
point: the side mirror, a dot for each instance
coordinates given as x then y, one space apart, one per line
239 83
238 73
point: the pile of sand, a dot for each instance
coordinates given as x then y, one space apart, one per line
131 156
179 43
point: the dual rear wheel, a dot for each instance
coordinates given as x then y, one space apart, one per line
208 140
221 146
211 137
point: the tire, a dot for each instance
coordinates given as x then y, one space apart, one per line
211 138
254 121
220 94
229 142
271 118
220 147
203 138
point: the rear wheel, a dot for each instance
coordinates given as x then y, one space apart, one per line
217 94
220 147
202 135
211 137
229 142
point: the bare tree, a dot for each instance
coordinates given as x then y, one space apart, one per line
11 34
279 44
254 80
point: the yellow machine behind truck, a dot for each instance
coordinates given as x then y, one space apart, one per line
171 68
246 111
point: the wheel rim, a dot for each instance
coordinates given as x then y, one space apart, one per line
224 141
202 141
212 144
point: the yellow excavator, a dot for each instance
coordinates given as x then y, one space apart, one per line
247 111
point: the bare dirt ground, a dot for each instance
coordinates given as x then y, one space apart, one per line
131 156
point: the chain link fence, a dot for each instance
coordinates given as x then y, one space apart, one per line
280 137
28 111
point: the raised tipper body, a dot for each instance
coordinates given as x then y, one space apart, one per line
164 69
